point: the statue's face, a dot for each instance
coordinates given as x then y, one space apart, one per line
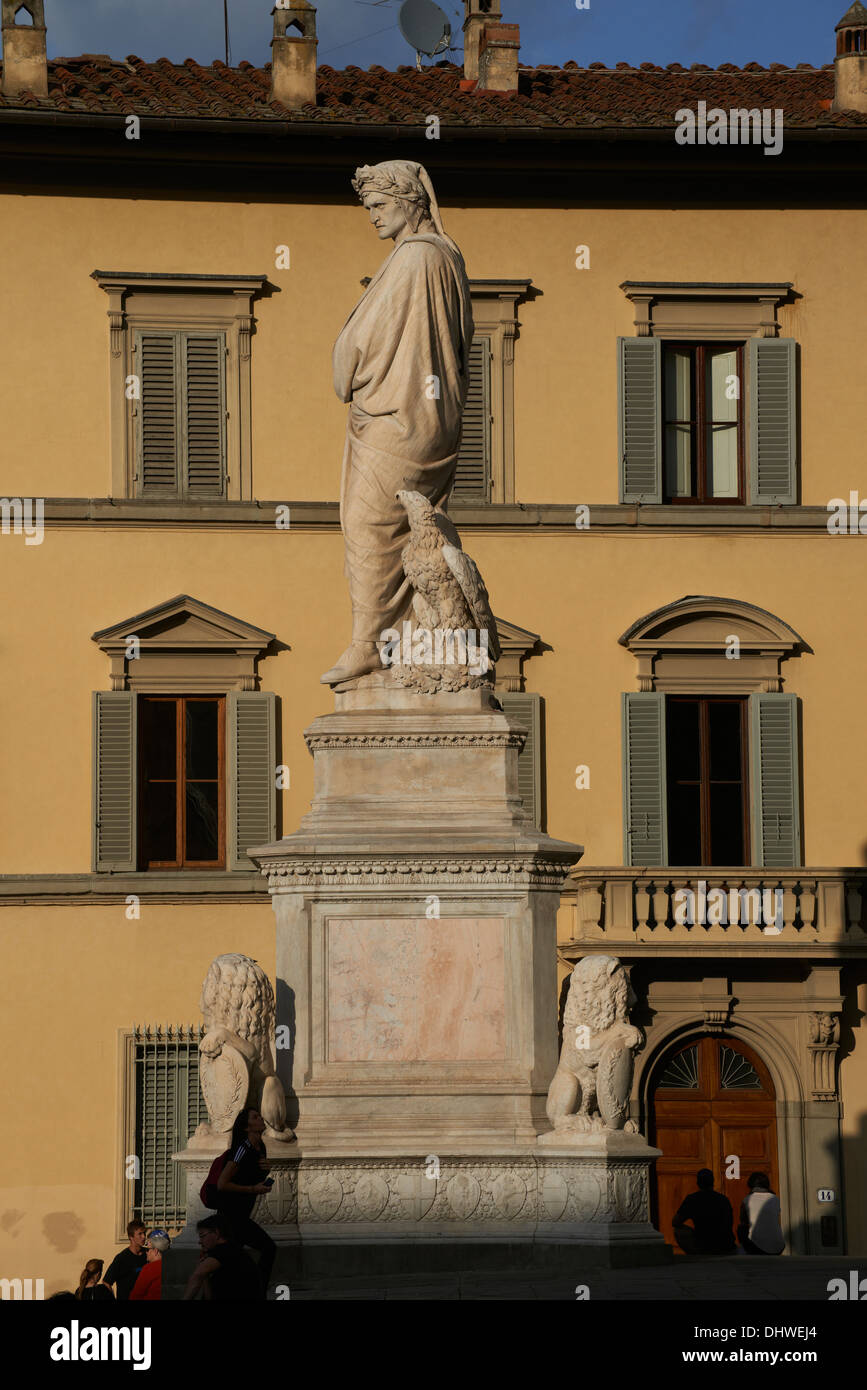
386 214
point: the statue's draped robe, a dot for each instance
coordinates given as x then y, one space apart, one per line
402 361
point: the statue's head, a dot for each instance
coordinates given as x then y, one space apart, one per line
398 194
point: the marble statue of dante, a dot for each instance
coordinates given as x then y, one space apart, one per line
402 363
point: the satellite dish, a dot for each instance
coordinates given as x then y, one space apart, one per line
425 26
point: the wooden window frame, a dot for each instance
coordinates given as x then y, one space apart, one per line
180 863
699 424
705 782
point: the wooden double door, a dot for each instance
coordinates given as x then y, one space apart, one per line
713 1101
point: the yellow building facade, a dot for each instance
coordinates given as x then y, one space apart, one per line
236 224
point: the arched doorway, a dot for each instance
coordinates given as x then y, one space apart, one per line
712 1098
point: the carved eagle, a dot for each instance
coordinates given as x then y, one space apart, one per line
449 592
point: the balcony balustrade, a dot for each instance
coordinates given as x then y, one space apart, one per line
729 908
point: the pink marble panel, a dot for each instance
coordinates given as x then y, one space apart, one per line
412 989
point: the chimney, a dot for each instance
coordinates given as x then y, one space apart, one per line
293 56
498 58
478 13
25 55
850 65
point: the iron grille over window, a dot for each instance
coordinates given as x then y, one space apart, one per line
168 1107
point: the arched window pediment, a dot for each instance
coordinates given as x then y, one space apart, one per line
703 642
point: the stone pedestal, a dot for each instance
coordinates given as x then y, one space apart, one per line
416 931
416 989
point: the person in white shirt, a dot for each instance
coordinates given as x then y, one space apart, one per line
759 1226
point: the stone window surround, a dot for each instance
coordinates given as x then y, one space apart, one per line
681 647
495 313
713 311
185 646
150 300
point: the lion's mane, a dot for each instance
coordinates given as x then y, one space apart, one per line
237 995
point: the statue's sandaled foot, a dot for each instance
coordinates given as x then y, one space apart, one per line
358 659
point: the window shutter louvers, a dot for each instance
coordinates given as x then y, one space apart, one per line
772 421
114 782
252 773
644 779
473 473
639 384
204 364
776 787
181 417
158 413
526 708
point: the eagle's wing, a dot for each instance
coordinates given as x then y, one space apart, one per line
466 572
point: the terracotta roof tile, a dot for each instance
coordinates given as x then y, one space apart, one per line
563 98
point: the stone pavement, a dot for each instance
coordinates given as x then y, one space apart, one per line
741 1278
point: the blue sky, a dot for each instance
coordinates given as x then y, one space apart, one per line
552 31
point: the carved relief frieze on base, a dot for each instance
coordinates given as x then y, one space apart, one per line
515 1196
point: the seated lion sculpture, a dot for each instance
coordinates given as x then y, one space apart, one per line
237 1062
596 1057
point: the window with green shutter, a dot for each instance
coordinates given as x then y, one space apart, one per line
776 782
639 382
473 474
114 781
252 773
526 708
707 422
180 418
771 388
687 792
178 784
645 819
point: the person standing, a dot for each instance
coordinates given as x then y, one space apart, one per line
148 1286
760 1230
127 1265
90 1290
225 1273
712 1220
241 1182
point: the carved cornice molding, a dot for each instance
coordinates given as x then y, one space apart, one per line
512 738
521 872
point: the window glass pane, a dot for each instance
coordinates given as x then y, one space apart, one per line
203 751
684 825
203 841
678 436
683 748
678 384
681 1074
726 824
722 417
159 737
160 820
725 740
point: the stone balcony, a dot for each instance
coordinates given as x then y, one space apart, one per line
643 911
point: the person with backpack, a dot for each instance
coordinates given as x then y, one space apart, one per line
242 1178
